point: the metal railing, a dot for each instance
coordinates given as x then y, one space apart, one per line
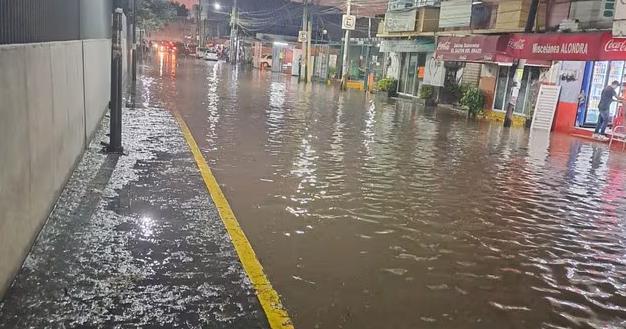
28 21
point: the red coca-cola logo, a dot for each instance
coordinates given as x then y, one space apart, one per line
444 45
615 46
517 44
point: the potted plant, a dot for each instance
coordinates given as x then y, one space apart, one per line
388 85
427 93
332 73
473 101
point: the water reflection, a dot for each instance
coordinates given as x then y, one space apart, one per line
410 218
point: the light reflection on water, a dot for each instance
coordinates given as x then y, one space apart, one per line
368 214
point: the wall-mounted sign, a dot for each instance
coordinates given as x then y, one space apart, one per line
420 45
473 48
455 13
563 46
400 21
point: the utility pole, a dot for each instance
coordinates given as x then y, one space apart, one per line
346 50
367 54
115 103
305 52
309 36
530 24
198 22
134 48
234 38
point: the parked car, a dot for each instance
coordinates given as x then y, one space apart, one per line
200 52
266 61
211 55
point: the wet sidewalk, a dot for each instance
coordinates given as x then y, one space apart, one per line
134 241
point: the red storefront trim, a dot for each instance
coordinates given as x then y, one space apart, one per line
562 46
479 48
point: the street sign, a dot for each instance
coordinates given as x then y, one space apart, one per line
348 22
302 36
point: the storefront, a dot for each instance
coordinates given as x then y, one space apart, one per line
601 74
489 52
588 62
406 61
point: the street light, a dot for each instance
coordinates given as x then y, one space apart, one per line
217 6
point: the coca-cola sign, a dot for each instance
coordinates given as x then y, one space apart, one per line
613 48
615 45
516 44
444 46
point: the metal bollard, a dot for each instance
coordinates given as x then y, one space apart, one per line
115 105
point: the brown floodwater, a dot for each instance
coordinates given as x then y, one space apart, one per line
373 213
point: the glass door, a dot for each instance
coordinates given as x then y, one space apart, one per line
598 82
529 88
401 77
615 74
604 72
411 74
408 74
501 87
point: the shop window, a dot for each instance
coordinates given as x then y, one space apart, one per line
604 73
501 88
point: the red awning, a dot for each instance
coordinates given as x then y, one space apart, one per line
562 46
536 48
479 48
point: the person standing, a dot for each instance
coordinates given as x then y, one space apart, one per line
606 99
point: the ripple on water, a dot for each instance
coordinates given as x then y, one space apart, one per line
487 212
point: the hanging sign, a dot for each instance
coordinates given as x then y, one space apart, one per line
546 106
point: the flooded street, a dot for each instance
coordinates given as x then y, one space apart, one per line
367 213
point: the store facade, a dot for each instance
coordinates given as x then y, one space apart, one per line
490 52
406 62
585 64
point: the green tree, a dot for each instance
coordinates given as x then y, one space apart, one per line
181 9
154 14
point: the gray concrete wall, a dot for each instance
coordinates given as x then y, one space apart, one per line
97 91
95 19
53 96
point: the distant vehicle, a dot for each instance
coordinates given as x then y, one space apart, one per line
165 46
201 52
211 55
266 61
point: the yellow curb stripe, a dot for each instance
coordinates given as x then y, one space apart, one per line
268 297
